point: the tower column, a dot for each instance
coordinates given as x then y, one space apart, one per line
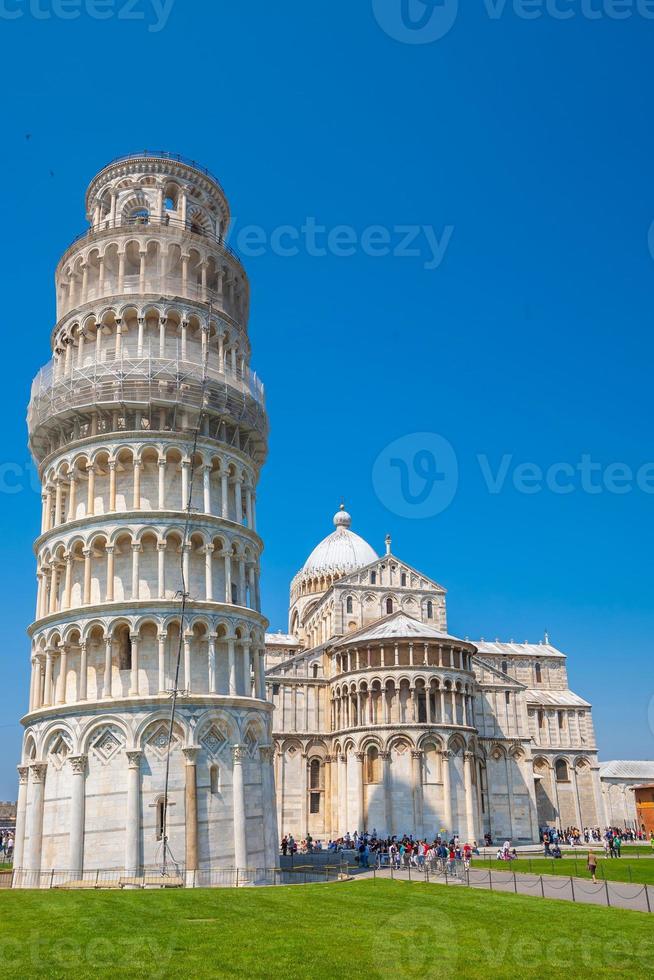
191 807
468 760
77 801
36 789
21 812
238 791
133 822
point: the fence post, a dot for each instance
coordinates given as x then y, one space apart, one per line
490 879
409 871
515 883
237 877
649 907
608 897
572 886
542 887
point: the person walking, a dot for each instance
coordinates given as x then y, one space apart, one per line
592 865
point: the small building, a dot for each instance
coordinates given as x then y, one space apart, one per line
644 802
618 778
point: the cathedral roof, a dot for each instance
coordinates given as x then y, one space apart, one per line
398 625
516 649
625 769
341 551
555 699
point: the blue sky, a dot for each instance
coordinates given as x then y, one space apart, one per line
524 147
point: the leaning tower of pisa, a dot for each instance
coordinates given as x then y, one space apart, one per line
148 398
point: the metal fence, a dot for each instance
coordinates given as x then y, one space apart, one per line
116 879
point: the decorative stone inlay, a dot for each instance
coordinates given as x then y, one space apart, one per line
59 750
214 741
158 741
107 743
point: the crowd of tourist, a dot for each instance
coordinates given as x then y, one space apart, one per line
592 835
6 847
373 850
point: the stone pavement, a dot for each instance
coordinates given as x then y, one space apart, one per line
612 894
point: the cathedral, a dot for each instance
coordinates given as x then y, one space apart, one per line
385 721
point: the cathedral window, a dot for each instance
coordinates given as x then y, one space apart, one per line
314 670
373 578
507 697
505 667
389 606
561 717
430 610
348 604
214 780
539 674
541 719
403 580
562 771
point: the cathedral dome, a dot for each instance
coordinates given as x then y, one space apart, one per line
341 551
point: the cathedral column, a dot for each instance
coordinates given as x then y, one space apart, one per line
77 801
416 773
238 496
21 813
600 813
228 578
328 795
238 793
304 793
575 793
133 816
468 759
447 791
36 785
342 794
388 789
191 807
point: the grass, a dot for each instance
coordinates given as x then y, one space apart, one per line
376 929
615 869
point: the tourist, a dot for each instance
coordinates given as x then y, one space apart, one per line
592 865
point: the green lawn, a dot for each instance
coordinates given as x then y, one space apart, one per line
355 929
640 872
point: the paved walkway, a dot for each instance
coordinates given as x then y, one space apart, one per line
614 894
